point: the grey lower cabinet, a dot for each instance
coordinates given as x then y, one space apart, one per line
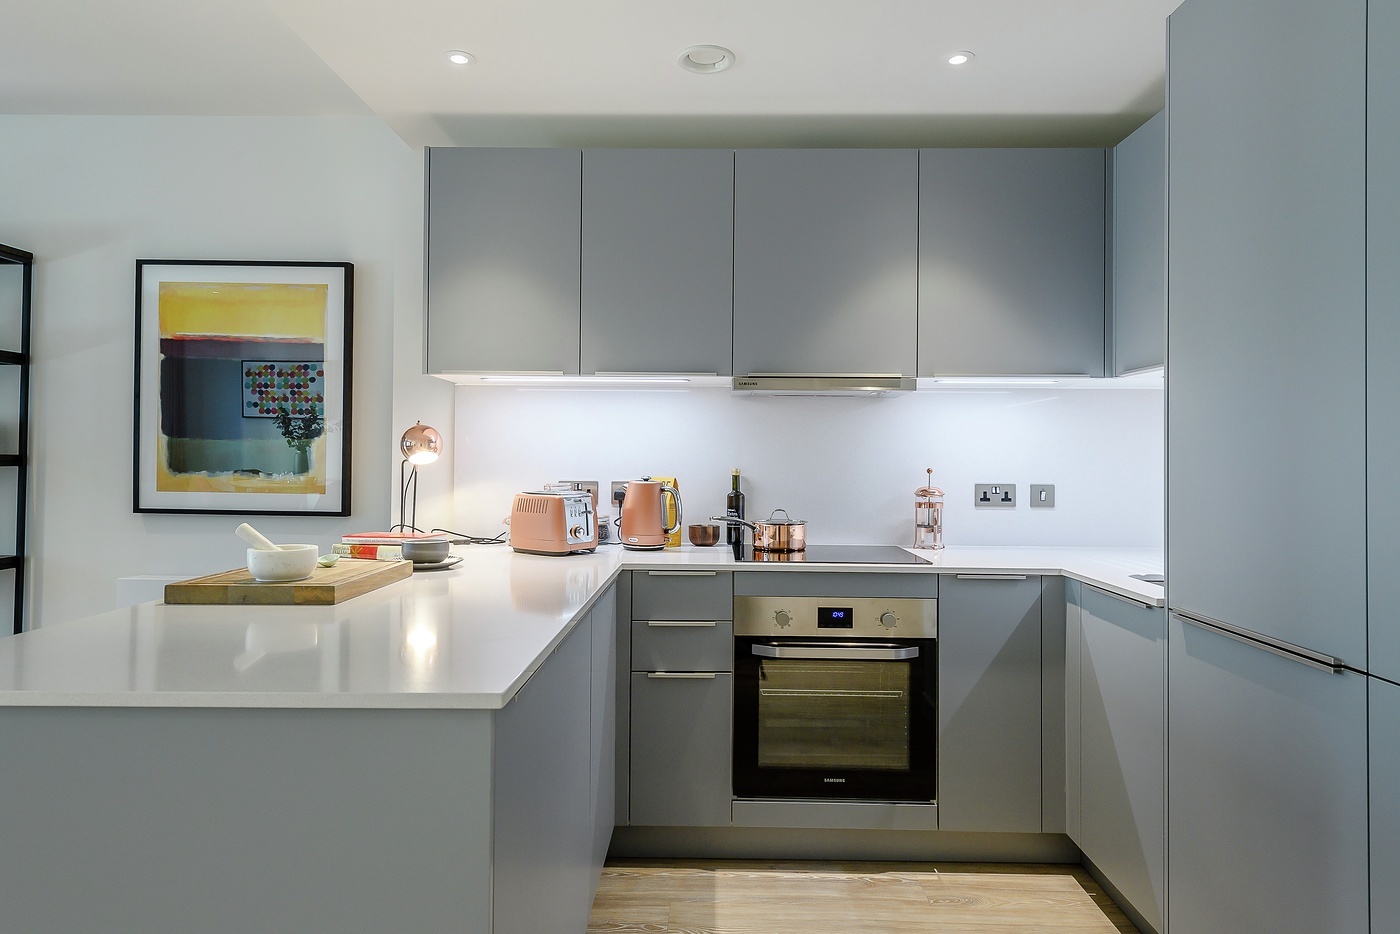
989 694
825 261
1139 294
1267 791
552 771
1121 769
1385 815
1383 334
682 686
503 260
658 250
1011 261
1267 282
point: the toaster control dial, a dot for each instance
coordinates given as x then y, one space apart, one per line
888 619
782 619
576 531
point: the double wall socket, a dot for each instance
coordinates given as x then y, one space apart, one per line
994 495
615 494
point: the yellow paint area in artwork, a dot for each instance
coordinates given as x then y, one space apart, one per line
170 482
244 309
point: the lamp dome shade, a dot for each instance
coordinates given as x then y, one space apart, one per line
421 444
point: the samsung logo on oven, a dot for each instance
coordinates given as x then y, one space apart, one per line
834 780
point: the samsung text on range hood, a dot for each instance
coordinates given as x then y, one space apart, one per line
796 384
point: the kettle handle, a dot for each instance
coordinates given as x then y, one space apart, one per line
676 496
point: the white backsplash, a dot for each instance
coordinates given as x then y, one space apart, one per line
848 466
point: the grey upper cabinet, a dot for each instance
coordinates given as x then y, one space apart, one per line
1267 791
1385 816
825 261
1011 261
658 247
1140 248
1383 333
1266 446
503 260
1122 673
989 704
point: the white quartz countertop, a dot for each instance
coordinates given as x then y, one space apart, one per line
466 638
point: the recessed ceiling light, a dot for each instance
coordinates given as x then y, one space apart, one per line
458 57
705 59
960 58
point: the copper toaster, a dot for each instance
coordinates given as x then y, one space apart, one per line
553 523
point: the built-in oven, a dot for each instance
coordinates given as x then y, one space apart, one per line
835 698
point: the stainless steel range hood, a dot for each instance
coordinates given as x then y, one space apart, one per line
798 384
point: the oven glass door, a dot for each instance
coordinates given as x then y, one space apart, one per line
834 719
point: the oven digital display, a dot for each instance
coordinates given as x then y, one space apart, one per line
835 617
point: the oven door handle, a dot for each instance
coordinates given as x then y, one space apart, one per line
839 651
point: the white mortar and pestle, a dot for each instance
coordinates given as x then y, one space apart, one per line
269 562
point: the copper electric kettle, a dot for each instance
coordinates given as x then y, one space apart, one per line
643 522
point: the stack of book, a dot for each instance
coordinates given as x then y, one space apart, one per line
381 546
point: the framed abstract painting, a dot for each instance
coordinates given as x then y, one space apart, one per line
243 387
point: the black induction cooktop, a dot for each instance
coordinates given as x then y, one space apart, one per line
839 554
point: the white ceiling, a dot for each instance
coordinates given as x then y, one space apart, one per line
567 72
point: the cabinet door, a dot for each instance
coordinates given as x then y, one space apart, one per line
658 248
1383 333
1385 814
1123 736
1266 791
989 704
543 831
825 261
1266 274
1011 261
503 259
1140 248
681 749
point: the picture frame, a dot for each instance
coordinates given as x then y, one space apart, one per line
243 387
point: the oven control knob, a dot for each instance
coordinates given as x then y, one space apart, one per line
888 619
782 619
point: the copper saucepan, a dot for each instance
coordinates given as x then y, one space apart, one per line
772 534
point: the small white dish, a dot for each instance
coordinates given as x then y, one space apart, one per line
442 565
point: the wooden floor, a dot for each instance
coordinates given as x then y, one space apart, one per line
773 897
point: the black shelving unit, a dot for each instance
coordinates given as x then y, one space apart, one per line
19 460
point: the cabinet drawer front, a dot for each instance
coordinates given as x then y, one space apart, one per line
688 645
699 595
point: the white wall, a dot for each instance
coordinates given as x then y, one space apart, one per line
849 466
89 196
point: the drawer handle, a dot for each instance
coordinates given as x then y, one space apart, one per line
681 573
1125 598
991 577
681 675
1294 653
682 623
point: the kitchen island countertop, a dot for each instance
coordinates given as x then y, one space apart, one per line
465 638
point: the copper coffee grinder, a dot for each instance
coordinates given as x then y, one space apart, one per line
928 515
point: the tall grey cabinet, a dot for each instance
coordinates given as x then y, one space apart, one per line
1385 816
658 247
1267 741
503 260
1011 262
825 261
1139 296
16 284
1383 334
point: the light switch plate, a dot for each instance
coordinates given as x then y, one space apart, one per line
994 495
1042 496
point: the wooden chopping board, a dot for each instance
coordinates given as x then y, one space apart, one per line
347 578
